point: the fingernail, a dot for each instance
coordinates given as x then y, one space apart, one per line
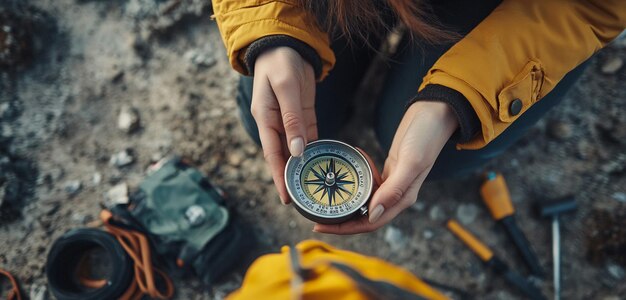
376 213
282 200
296 146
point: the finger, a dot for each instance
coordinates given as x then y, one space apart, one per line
410 196
269 136
311 124
275 159
377 179
289 96
393 190
354 226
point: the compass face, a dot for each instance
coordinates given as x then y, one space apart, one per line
330 180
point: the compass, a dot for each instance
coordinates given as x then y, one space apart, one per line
330 183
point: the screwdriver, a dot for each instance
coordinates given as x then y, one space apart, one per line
496 196
491 261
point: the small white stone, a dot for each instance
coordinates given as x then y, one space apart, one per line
612 65
436 213
395 238
121 159
97 178
467 213
235 158
38 292
200 59
292 224
117 195
619 196
72 187
128 119
616 271
418 206
428 234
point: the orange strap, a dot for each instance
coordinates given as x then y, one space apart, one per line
14 293
138 248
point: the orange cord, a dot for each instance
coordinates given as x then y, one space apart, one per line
14 293
138 248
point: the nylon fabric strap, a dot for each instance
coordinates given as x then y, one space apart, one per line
14 293
138 248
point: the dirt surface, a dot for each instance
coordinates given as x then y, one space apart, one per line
164 60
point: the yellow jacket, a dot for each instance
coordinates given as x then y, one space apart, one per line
520 51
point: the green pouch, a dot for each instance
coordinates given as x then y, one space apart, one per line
180 210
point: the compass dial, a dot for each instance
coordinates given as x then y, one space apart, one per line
329 182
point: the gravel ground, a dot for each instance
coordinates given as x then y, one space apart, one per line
163 62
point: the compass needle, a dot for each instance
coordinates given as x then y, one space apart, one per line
340 188
319 188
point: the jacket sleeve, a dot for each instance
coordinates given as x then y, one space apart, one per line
241 22
519 53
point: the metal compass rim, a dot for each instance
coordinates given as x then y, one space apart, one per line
368 187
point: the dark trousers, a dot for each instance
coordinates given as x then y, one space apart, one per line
407 68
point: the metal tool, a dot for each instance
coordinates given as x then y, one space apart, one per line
330 183
493 262
554 209
495 195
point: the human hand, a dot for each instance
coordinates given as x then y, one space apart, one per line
423 131
283 106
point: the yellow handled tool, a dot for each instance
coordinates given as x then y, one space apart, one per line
496 196
493 262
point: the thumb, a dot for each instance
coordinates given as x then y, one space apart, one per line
391 192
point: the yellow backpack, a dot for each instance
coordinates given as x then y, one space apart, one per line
315 270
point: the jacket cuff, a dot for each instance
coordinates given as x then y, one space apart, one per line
272 41
469 124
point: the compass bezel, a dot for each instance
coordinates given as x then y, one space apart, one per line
319 217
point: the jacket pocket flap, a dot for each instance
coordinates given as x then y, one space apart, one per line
524 88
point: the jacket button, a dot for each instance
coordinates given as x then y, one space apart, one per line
516 107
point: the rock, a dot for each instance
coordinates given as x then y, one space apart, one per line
97 178
117 195
436 213
395 238
80 218
4 108
6 132
467 213
418 206
128 119
235 158
122 158
428 234
616 271
38 292
584 150
200 59
72 187
560 130
619 196
251 150
292 224
612 65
